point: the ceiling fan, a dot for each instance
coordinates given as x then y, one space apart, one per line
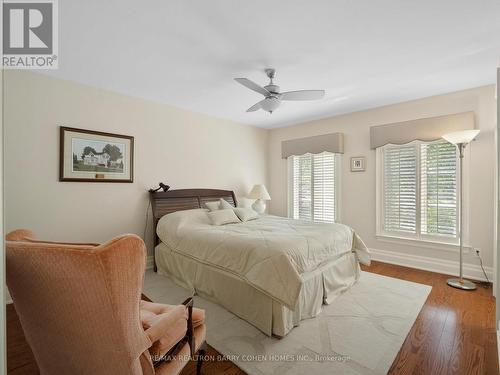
273 96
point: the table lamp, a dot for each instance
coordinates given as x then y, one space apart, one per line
259 192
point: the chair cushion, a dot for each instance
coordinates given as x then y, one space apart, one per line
198 317
169 336
175 366
148 308
175 333
151 313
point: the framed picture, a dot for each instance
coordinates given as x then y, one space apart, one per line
358 164
93 156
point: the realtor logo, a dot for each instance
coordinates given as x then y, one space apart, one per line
29 34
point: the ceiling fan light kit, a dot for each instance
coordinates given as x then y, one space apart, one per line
273 96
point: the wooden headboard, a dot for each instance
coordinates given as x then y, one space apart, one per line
166 202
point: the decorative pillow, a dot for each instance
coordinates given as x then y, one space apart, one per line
213 206
245 214
224 204
222 217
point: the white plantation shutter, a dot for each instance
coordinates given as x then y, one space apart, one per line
302 187
313 187
400 189
439 189
419 190
324 187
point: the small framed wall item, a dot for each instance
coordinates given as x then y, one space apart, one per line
358 164
93 156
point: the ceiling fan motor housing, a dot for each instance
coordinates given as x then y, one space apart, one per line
270 104
273 89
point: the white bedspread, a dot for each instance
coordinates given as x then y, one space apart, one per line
270 253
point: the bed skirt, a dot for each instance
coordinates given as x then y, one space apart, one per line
319 287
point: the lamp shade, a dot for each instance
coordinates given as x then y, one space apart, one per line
462 136
259 192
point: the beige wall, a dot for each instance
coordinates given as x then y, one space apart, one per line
180 148
358 189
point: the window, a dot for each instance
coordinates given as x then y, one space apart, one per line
313 187
418 191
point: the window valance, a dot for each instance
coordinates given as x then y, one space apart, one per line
425 129
333 142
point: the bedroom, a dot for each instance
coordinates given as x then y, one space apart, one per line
148 94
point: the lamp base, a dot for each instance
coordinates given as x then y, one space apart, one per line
461 284
259 206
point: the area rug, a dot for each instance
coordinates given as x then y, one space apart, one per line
361 332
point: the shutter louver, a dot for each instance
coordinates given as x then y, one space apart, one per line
400 189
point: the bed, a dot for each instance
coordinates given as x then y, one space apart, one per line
272 272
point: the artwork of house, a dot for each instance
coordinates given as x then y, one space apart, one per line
98 158
95 155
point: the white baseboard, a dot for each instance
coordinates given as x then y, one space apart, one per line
448 267
149 262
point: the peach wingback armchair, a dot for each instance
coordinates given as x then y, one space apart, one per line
81 311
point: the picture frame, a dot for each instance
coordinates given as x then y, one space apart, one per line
95 156
358 164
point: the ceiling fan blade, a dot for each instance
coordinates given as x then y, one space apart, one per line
256 106
252 86
302 95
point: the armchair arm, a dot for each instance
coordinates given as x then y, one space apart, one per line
190 331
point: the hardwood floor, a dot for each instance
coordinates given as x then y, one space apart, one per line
453 334
455 331
19 355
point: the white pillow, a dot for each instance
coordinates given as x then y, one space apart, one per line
222 217
213 206
224 204
246 214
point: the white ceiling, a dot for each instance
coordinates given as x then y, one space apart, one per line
364 53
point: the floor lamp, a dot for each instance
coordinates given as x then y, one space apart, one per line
461 139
